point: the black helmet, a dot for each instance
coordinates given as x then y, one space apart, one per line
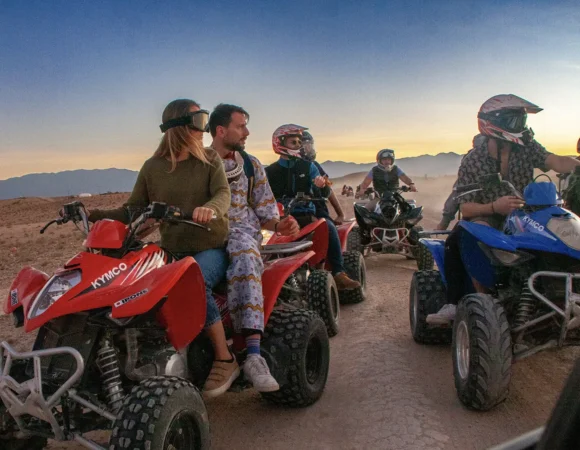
308 143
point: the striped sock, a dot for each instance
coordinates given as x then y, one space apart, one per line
253 345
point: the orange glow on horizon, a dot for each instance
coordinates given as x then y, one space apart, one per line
347 150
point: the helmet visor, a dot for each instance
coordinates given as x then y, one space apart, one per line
386 154
512 121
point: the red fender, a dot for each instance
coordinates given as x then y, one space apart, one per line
319 240
183 313
24 289
343 231
276 272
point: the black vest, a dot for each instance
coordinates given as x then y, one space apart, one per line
287 182
384 181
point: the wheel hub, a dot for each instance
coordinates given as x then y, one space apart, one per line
462 349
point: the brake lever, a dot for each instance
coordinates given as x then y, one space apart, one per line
57 221
191 222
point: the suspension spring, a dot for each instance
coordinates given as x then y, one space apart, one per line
108 364
526 307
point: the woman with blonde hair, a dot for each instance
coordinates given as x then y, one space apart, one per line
183 173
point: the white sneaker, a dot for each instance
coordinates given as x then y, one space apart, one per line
444 316
257 372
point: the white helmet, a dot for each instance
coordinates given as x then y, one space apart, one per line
504 117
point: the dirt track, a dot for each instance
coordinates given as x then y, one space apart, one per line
384 391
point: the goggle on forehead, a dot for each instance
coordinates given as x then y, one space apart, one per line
197 120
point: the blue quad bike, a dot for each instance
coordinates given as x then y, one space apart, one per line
531 274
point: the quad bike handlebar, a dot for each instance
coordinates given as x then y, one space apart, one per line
156 211
75 212
300 198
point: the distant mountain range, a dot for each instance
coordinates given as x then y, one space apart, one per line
434 166
98 181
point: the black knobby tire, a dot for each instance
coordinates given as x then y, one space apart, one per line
356 269
323 299
297 343
427 296
425 260
482 352
354 241
31 443
160 412
420 252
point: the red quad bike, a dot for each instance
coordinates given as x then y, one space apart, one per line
120 343
312 286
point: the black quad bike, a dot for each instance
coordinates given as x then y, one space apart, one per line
389 225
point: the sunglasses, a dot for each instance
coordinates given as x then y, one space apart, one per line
197 120
292 141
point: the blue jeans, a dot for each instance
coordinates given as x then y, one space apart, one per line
213 264
334 255
334 249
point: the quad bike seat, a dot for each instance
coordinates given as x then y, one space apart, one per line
286 248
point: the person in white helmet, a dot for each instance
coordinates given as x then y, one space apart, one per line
385 175
507 147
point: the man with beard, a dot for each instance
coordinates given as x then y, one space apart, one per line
252 209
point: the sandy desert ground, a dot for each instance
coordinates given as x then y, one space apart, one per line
384 390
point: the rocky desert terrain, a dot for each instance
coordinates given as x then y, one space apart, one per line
384 391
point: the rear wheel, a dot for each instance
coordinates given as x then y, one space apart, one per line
427 296
297 349
162 413
323 299
482 352
355 267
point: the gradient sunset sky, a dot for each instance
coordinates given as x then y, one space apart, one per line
83 83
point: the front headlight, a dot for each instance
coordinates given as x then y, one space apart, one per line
56 287
505 257
567 229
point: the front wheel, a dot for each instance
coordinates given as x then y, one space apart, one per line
162 413
297 349
482 352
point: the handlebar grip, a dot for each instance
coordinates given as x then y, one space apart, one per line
466 188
